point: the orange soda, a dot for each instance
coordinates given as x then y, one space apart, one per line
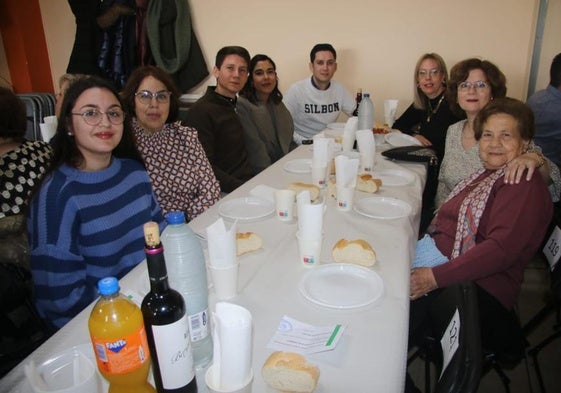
119 340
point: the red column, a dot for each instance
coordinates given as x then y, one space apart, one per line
25 46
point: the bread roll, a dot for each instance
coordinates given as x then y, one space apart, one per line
290 372
358 252
367 183
248 242
298 187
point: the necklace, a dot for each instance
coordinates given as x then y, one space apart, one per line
432 111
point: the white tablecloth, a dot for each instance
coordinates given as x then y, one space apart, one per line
371 356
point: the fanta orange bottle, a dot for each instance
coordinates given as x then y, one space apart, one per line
119 340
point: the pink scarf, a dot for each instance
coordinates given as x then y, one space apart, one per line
472 208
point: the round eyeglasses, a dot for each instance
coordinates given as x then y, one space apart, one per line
426 73
477 85
145 96
93 117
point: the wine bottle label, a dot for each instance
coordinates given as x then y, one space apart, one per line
174 353
122 355
198 325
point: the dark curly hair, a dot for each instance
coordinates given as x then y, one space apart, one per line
64 145
248 90
460 72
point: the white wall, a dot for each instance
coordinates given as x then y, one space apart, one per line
378 41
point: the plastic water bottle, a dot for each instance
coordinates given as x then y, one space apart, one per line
187 275
366 113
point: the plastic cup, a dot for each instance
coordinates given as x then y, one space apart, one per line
309 250
345 198
380 139
209 381
348 141
70 371
284 200
50 120
225 280
47 131
366 162
319 175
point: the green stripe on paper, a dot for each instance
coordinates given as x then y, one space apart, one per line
333 335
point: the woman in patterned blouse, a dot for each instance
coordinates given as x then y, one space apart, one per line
180 172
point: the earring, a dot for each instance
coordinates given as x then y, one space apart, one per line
69 133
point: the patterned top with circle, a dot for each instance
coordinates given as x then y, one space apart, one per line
20 170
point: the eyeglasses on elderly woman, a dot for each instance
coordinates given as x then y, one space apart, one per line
145 96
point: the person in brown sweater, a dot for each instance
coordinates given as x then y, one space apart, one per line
215 117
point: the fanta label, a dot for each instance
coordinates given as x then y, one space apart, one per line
122 355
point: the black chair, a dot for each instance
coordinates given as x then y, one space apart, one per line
551 254
463 371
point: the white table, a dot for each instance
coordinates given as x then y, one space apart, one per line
371 355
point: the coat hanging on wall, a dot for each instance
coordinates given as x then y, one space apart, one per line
111 38
173 42
83 59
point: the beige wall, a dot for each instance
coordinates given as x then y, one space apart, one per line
378 42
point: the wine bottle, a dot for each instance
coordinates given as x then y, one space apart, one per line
357 99
165 320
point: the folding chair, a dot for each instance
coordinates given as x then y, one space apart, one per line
456 312
551 253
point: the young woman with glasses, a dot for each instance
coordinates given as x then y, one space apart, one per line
85 218
178 167
473 84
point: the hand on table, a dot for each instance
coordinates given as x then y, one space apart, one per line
421 282
423 140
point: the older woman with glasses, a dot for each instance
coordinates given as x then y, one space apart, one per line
473 84
480 235
181 174
85 219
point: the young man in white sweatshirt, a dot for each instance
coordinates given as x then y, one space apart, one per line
317 101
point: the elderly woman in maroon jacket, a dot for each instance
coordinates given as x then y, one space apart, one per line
486 232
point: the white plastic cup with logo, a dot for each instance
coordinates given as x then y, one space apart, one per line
366 162
319 175
225 280
284 200
309 249
345 197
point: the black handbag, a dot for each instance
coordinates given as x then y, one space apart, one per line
412 153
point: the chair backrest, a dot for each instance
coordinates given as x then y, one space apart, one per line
463 371
37 105
551 251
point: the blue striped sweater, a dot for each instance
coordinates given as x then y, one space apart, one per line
84 226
